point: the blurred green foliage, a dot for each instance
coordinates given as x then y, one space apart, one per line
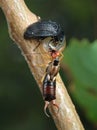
21 104
80 56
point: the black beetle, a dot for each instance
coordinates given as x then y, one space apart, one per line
43 29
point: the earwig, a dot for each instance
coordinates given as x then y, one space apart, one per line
49 79
49 84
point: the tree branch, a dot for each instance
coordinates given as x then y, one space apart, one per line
18 18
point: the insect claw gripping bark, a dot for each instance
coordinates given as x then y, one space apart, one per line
40 31
55 105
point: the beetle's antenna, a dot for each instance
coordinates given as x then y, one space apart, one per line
45 107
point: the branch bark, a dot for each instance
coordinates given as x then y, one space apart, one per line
18 18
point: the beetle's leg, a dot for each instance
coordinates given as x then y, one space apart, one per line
53 102
37 45
45 108
51 47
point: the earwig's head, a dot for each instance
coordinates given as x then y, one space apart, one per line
54 54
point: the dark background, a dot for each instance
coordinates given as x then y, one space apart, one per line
21 104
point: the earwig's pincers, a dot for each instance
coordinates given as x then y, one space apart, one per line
46 106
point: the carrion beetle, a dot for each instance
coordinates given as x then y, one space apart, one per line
43 29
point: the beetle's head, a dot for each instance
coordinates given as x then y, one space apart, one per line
61 36
58 45
61 41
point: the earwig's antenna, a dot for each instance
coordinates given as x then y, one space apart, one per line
45 107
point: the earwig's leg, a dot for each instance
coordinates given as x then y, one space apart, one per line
53 102
61 56
45 107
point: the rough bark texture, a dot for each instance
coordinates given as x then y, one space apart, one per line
18 18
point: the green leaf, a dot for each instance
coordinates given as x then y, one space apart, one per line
81 58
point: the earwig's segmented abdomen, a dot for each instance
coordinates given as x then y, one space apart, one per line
49 89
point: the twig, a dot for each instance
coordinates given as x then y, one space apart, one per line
18 18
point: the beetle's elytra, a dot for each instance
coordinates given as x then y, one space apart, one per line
44 29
